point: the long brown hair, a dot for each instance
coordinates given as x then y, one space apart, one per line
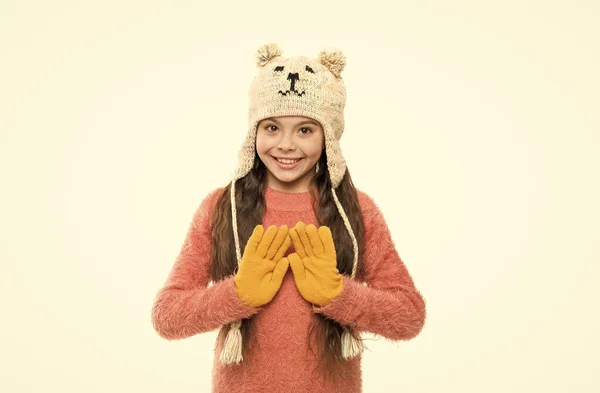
250 211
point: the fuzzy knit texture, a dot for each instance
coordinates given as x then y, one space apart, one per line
282 360
298 86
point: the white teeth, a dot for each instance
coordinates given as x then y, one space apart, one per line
287 161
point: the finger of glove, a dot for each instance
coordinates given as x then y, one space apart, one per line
301 230
327 239
315 240
266 241
298 246
297 266
279 272
254 240
282 233
287 242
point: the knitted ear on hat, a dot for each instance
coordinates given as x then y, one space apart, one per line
334 60
266 53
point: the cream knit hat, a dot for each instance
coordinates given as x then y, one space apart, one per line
295 86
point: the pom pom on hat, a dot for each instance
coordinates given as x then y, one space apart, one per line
334 60
266 53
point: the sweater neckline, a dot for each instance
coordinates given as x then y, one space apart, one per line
288 201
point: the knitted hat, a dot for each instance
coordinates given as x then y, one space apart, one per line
295 86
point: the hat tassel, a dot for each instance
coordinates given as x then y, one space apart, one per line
351 346
232 349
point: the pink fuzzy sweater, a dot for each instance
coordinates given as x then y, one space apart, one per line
281 361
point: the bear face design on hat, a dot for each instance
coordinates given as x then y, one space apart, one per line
298 86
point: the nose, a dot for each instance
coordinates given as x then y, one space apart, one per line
285 142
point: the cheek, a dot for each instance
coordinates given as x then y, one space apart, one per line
262 144
314 151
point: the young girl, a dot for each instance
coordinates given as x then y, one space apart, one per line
311 262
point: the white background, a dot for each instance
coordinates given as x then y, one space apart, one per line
474 126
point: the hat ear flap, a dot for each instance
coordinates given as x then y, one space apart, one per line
334 60
266 53
336 164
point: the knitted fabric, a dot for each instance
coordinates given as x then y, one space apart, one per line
284 353
297 86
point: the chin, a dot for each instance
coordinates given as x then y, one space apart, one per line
287 179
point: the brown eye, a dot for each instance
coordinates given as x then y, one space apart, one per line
307 129
268 128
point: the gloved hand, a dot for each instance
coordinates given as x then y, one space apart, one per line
263 267
314 264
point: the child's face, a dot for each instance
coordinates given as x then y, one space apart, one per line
289 137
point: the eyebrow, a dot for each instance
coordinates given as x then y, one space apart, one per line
302 122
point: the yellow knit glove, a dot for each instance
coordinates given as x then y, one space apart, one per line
263 267
314 264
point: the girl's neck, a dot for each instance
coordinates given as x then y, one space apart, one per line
300 185
299 189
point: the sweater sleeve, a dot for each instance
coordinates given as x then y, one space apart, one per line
186 305
389 305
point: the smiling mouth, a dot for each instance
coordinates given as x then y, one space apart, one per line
285 93
287 160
